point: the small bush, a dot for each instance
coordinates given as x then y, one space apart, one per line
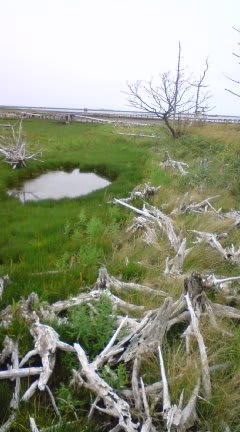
118 378
92 328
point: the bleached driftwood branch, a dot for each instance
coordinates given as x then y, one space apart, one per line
147 227
46 343
142 191
148 425
174 416
33 425
138 135
115 406
164 222
229 254
174 266
168 162
105 281
221 284
186 205
131 346
202 349
14 148
11 348
3 281
234 215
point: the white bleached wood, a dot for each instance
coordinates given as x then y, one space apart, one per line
142 191
33 425
219 283
3 281
107 352
202 349
114 405
170 163
135 382
189 415
146 227
20 373
174 266
14 148
164 222
46 343
166 395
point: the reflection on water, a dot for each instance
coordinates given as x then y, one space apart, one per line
59 184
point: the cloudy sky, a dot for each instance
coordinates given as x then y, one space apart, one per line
81 53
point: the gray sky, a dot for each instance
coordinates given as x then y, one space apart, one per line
80 53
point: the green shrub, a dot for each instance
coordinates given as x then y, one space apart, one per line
92 328
117 378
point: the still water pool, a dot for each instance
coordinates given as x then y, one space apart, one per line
59 184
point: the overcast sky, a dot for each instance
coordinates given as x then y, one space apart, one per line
81 53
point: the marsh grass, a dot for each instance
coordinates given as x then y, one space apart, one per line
76 236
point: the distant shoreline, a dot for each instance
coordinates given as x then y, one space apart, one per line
81 113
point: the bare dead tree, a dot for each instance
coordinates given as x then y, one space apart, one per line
171 99
202 96
232 79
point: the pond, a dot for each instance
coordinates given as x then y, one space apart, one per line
59 184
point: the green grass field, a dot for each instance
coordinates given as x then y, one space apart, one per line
73 237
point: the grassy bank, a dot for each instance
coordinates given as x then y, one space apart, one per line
74 237
34 235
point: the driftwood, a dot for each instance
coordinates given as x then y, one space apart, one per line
229 254
105 281
194 328
46 343
14 148
142 191
176 418
186 205
234 215
170 163
174 266
11 348
139 135
33 425
146 227
163 221
129 409
115 406
3 281
145 223
221 284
